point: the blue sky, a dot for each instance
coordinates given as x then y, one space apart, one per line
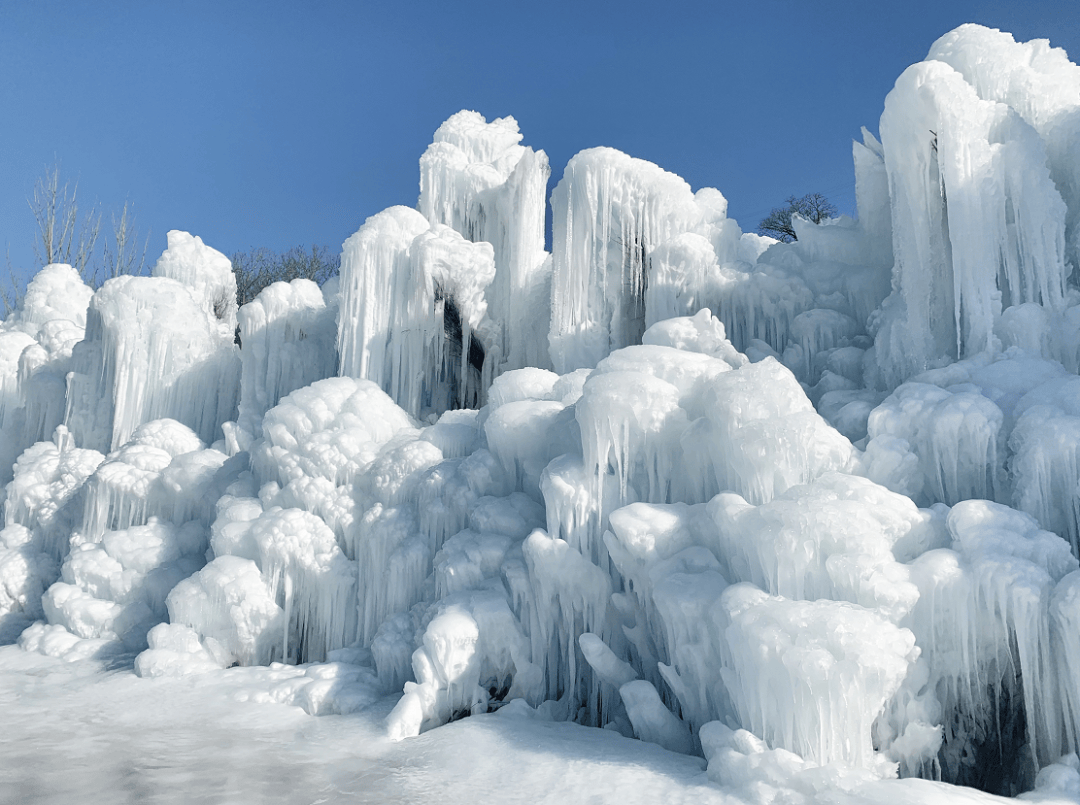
277 124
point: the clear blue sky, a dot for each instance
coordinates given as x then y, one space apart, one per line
276 124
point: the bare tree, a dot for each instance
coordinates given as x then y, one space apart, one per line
124 257
813 206
258 268
62 236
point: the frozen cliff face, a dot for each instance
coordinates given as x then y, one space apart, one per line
477 179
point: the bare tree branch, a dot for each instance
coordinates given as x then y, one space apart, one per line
813 206
258 268
62 236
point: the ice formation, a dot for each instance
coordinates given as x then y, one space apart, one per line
811 510
427 342
477 179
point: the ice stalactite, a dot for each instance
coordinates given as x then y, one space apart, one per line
320 443
476 178
151 351
996 427
759 305
413 315
1043 87
978 223
610 212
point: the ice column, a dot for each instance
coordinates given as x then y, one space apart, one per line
977 221
610 211
477 179
288 336
413 315
1043 86
151 351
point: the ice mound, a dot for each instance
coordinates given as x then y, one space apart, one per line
810 676
143 527
837 538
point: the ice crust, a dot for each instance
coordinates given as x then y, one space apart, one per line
811 510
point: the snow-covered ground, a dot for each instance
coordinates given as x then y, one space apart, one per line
92 732
78 732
